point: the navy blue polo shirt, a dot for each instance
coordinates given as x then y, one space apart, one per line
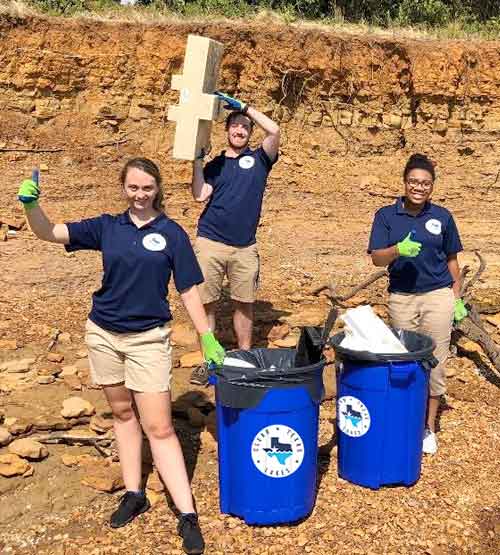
232 213
137 264
435 228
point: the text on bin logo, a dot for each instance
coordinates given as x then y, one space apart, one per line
353 416
277 451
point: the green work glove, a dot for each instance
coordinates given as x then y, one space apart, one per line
460 311
409 248
213 352
232 103
29 191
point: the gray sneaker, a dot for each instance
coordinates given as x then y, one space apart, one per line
199 375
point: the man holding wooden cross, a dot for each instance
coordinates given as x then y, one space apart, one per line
233 185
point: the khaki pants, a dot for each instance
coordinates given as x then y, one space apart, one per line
239 264
430 313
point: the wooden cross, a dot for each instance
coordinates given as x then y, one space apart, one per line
197 105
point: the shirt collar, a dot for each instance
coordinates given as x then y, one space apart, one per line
400 208
247 150
124 219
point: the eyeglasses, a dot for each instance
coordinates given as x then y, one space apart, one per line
425 184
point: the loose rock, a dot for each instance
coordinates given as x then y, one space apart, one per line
18 426
70 370
12 465
17 366
5 436
49 422
107 478
69 460
76 406
28 449
49 371
278 331
45 380
191 359
100 424
287 342
55 357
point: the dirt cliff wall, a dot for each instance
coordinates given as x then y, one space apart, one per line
352 109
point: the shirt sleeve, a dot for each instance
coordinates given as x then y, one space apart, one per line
211 171
85 235
379 236
451 238
263 156
187 271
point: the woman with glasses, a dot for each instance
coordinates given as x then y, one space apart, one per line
419 241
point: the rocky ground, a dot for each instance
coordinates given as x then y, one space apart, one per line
80 98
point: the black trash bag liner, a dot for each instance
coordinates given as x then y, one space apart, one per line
420 347
310 346
275 369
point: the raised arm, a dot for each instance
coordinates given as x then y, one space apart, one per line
271 141
200 189
42 227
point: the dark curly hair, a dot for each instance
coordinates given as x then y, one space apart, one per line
419 162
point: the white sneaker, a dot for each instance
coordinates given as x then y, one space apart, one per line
429 445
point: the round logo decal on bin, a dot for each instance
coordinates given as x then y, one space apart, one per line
277 451
353 416
154 242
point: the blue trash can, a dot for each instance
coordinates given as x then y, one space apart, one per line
267 431
381 409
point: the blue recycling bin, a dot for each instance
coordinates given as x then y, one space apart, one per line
381 410
267 431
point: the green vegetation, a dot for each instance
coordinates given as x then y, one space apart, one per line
452 18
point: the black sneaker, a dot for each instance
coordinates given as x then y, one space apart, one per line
199 376
189 529
131 505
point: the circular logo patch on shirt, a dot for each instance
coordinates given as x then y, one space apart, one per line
154 242
277 451
246 162
433 226
353 416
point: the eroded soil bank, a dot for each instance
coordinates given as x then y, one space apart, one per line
79 97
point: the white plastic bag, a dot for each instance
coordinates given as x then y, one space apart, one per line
237 363
365 331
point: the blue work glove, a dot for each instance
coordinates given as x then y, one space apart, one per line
29 191
232 103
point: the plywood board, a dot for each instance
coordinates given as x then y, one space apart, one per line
198 106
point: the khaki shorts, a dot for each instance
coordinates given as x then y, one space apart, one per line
430 313
240 265
140 360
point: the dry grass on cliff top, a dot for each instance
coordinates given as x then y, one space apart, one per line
108 11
